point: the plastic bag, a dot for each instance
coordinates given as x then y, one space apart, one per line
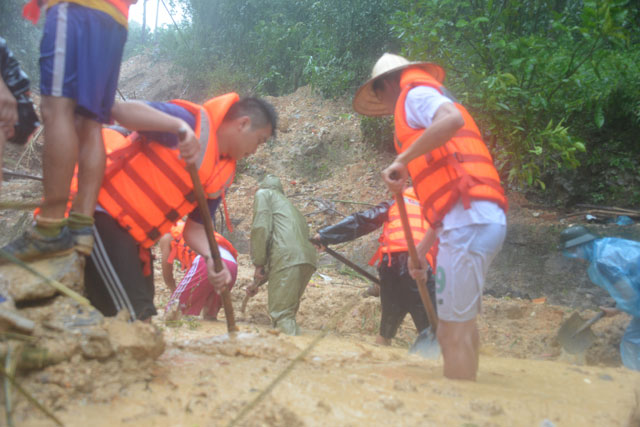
18 83
614 265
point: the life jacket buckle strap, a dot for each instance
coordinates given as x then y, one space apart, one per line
153 234
173 215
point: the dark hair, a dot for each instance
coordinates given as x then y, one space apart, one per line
378 84
259 111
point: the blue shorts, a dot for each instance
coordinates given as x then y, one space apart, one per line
80 57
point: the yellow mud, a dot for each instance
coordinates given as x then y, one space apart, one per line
206 378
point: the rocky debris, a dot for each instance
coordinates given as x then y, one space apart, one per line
64 329
137 340
22 286
9 319
54 328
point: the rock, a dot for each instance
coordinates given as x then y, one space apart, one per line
391 403
11 319
49 351
136 340
22 285
96 345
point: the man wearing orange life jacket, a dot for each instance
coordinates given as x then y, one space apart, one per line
194 294
440 146
146 189
80 57
398 290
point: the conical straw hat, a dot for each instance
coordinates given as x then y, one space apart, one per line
366 102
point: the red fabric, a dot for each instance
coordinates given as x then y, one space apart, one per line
145 258
31 11
195 291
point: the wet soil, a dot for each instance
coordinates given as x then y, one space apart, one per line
204 377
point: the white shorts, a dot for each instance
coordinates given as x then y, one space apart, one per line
464 257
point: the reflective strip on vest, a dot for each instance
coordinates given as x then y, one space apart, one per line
146 186
393 239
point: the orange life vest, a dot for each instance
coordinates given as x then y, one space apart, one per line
184 254
122 6
460 169
31 10
393 239
146 187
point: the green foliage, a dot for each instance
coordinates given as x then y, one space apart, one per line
542 77
281 45
378 132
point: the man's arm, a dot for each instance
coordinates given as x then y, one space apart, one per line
195 236
446 122
261 229
139 116
422 248
167 267
355 225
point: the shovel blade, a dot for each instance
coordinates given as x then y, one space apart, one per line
426 345
575 343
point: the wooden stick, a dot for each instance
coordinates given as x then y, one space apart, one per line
347 262
7 172
413 254
609 208
213 245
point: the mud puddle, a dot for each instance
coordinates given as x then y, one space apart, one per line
206 378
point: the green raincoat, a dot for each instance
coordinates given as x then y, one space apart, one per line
280 243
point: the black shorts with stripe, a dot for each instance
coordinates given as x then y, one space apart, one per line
113 275
399 295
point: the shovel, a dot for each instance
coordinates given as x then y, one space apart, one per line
347 262
575 334
426 344
213 245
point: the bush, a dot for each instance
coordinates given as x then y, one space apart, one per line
540 77
378 132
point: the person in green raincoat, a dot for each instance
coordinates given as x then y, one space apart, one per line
281 253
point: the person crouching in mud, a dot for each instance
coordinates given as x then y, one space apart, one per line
614 265
194 294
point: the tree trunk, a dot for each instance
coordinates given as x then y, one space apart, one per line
157 13
144 19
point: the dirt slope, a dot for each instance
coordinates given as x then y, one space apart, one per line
206 378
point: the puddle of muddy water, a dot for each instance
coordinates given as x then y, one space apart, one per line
206 377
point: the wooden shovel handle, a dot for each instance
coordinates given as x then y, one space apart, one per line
213 245
413 254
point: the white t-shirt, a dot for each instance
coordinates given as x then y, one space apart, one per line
421 105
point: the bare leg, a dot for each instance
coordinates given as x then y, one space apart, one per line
460 345
60 153
207 305
91 164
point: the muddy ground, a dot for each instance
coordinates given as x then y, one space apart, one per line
204 377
